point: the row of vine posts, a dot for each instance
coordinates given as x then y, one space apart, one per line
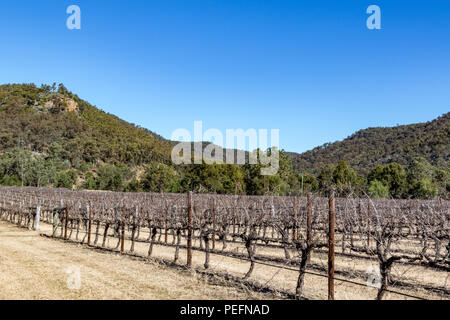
249 219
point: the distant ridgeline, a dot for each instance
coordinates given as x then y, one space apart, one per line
50 137
379 146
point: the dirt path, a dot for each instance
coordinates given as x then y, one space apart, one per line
33 267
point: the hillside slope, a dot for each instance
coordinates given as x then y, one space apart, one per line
53 122
368 148
50 119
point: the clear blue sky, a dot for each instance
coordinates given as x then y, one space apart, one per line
309 68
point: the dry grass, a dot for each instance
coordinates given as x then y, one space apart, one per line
33 267
165 283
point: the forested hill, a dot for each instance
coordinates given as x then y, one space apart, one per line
51 137
51 119
368 148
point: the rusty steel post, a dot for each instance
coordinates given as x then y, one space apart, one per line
331 222
189 239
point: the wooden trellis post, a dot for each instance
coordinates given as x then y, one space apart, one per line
189 239
90 225
368 225
122 242
360 220
309 220
294 231
359 212
234 222
331 222
166 231
66 223
55 218
214 224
